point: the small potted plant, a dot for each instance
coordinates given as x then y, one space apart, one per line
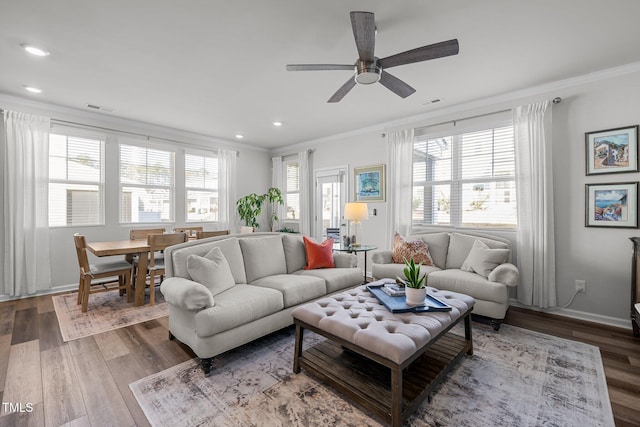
415 285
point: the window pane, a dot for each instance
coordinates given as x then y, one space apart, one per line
293 177
74 204
489 204
145 205
431 204
202 206
293 206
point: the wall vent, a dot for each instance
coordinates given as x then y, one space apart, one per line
99 108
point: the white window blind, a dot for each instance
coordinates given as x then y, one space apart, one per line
146 184
465 180
76 181
292 190
201 182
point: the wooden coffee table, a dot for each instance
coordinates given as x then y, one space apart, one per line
391 385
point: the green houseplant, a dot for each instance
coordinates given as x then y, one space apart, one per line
415 284
249 207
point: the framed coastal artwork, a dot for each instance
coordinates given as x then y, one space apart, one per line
612 150
370 183
612 205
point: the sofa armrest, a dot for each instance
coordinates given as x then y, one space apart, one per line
186 294
343 260
506 273
382 257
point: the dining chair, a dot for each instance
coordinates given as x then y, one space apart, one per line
119 271
191 231
142 233
157 244
205 234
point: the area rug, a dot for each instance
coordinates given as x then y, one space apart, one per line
515 377
106 311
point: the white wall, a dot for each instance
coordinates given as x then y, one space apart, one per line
600 256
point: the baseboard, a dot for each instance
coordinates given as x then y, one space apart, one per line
54 290
579 315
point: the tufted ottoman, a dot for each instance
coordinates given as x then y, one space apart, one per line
386 362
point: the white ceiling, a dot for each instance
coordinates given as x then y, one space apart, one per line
217 67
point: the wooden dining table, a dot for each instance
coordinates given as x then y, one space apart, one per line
128 248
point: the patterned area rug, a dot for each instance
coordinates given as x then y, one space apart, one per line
515 377
106 311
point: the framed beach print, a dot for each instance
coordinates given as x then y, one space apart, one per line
370 183
612 150
612 205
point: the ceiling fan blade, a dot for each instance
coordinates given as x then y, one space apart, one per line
396 85
364 31
344 89
318 67
424 53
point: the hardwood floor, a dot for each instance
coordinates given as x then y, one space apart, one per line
86 382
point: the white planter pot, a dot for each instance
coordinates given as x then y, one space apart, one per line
415 296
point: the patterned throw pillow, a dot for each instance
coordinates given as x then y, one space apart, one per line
416 249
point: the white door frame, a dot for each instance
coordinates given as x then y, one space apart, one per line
321 173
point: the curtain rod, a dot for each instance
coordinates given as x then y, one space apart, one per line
125 132
556 100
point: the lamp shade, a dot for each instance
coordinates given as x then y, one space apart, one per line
356 211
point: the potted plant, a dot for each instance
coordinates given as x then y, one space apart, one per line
415 285
249 207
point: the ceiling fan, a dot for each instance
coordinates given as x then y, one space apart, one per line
369 69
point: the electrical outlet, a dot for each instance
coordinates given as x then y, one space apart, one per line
581 286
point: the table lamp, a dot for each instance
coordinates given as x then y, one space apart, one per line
356 212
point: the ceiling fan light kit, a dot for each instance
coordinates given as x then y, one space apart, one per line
369 69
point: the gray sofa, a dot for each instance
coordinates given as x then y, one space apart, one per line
245 289
449 251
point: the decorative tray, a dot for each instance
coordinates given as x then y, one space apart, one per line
398 304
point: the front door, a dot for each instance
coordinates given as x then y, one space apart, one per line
330 197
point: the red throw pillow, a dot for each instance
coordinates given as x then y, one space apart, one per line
319 255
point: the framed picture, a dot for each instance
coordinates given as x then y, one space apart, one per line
612 205
370 183
612 150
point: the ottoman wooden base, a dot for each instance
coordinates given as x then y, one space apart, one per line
391 391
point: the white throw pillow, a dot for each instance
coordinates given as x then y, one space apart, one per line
212 271
483 260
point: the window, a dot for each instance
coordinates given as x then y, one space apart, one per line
76 181
292 189
146 184
201 182
465 180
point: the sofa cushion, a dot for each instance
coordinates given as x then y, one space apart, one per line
230 248
460 245
416 249
295 289
391 271
211 270
438 246
483 260
294 252
238 306
335 278
263 256
468 283
319 255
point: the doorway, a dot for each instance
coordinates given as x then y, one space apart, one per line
330 196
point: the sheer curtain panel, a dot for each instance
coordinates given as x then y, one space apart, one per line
305 205
277 181
534 187
227 164
25 199
400 152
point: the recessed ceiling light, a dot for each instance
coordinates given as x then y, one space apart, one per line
35 50
277 124
239 136
32 89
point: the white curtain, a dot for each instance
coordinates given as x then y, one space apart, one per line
400 153
227 163
305 202
534 189
277 181
25 141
